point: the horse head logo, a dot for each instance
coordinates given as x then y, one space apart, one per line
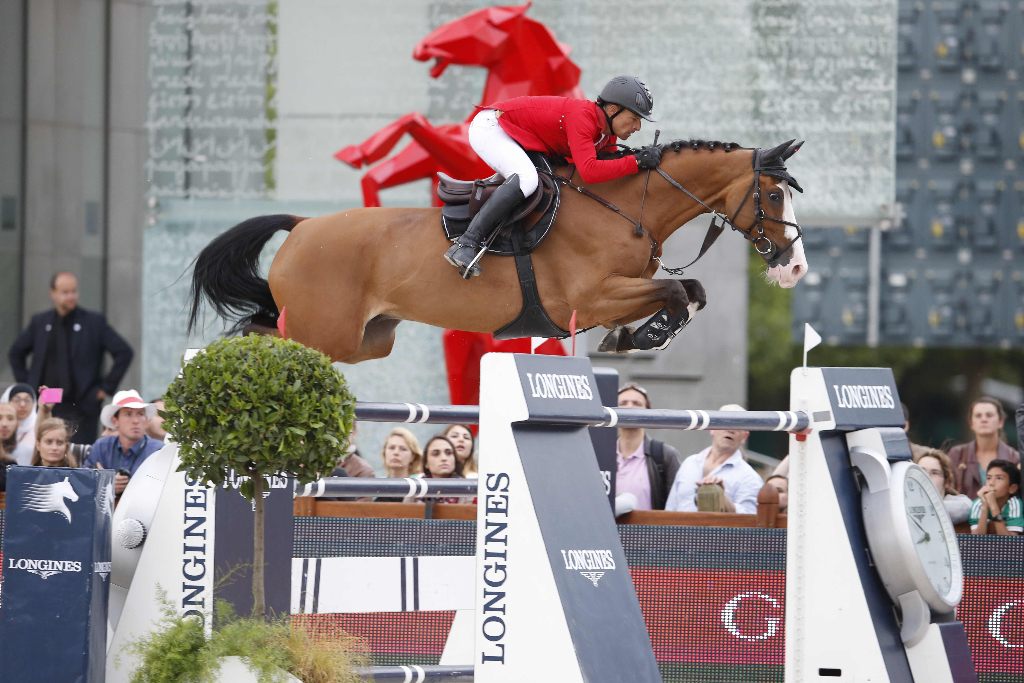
50 497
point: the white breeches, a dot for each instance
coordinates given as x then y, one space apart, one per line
500 151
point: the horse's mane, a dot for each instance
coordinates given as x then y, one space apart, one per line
675 146
710 145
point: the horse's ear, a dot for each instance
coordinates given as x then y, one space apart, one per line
793 149
776 153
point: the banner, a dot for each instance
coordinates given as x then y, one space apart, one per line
56 568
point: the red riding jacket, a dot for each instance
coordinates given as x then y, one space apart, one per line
566 127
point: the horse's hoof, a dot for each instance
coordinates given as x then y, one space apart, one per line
617 340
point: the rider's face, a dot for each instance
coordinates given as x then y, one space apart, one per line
625 124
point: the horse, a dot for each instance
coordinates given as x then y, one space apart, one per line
522 57
348 279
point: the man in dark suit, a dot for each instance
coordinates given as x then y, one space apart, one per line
67 346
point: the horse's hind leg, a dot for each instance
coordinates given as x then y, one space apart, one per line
378 340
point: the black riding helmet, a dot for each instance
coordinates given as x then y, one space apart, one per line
628 92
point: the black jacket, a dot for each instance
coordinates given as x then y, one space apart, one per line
663 463
91 338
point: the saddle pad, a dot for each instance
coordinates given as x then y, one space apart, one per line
534 227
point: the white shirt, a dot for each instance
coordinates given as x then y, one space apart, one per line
739 479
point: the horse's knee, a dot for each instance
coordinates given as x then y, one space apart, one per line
675 296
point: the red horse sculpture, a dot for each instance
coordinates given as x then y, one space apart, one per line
522 57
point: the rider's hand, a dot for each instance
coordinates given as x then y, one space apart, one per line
648 158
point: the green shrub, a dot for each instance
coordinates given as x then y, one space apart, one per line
260 406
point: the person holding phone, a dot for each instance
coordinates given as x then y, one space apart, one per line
130 446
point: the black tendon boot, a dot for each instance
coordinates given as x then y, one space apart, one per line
465 249
662 328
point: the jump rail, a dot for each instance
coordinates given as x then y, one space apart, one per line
749 420
417 674
358 487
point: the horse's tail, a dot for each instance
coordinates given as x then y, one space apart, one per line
227 273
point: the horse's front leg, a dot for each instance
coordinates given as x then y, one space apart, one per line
670 303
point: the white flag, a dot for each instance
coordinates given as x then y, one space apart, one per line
811 339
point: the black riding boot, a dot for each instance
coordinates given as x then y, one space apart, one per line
465 249
660 329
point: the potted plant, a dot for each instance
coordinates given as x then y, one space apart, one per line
257 406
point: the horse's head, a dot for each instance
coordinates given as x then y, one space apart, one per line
64 489
496 37
762 209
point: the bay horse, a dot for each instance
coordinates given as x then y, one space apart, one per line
522 57
348 279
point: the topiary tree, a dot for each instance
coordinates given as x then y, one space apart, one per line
260 406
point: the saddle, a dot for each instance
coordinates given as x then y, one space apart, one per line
533 219
519 235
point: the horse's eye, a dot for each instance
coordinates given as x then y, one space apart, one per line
775 196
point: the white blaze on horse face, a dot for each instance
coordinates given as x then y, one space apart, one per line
789 274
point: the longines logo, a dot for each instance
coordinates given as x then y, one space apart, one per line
44 568
589 560
50 497
862 396
101 568
546 385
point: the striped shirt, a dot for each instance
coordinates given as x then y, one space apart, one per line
1013 512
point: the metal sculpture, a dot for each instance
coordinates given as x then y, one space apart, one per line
522 57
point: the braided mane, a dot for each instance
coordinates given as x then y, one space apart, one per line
710 145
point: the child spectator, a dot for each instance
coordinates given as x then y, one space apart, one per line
462 438
781 484
936 463
23 398
998 509
971 460
53 444
442 462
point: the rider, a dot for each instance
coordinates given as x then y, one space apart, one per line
559 126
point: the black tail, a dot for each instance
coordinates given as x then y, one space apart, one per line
227 273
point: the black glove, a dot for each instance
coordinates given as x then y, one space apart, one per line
648 158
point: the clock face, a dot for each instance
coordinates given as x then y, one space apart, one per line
925 517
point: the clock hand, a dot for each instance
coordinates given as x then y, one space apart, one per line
927 537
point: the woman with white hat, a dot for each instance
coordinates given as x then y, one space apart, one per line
130 446
23 398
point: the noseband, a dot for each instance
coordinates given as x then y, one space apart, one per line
772 253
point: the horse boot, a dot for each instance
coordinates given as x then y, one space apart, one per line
464 251
656 333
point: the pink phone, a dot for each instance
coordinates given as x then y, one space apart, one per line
51 395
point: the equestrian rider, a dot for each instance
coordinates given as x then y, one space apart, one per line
557 126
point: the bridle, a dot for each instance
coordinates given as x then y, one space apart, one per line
772 253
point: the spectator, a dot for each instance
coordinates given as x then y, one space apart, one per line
441 461
80 451
53 337
936 463
155 426
462 438
353 463
720 465
780 484
1020 428
970 460
23 398
646 467
916 450
402 458
8 440
129 448
998 508
53 444
401 454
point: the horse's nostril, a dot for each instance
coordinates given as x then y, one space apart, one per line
798 270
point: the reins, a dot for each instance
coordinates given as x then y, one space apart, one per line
761 242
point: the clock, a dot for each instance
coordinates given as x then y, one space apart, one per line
911 538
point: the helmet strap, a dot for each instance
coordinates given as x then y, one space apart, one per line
609 119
